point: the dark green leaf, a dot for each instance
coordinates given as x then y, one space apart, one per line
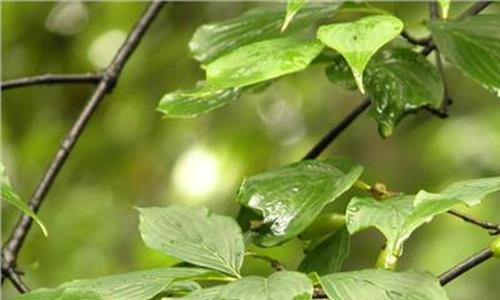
398 80
192 103
472 45
283 285
291 197
382 285
9 195
214 40
261 61
358 41
194 235
329 256
129 286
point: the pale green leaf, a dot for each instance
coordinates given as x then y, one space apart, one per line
261 61
470 192
473 46
194 235
382 285
129 286
399 81
292 8
214 40
197 101
329 256
291 197
358 41
445 7
285 285
8 194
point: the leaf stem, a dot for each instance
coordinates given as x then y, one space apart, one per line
275 264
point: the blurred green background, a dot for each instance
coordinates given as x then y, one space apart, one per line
129 156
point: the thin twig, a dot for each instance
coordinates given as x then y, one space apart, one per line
16 280
275 264
466 265
92 78
337 130
415 41
108 81
475 9
493 229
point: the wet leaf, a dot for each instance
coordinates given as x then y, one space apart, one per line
329 256
194 235
358 41
129 286
9 195
284 285
382 285
214 40
197 101
261 61
397 217
291 197
292 8
398 80
473 46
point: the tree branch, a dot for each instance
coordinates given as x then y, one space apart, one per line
337 130
111 74
492 228
466 265
475 9
51 79
415 41
275 264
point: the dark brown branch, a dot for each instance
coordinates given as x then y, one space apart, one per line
466 265
16 280
14 243
337 130
415 41
474 9
92 78
492 228
275 264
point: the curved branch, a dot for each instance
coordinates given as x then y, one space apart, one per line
92 78
466 265
14 243
493 228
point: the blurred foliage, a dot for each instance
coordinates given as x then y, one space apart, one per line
129 156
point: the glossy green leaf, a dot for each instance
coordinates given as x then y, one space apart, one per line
445 7
399 81
382 285
192 103
470 192
214 40
291 197
292 8
358 41
329 256
285 285
8 194
194 235
261 61
473 46
129 286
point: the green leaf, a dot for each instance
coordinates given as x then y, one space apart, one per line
382 285
194 235
398 80
473 46
445 7
261 61
291 197
129 286
470 192
329 256
292 8
284 285
9 195
197 101
214 40
358 41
